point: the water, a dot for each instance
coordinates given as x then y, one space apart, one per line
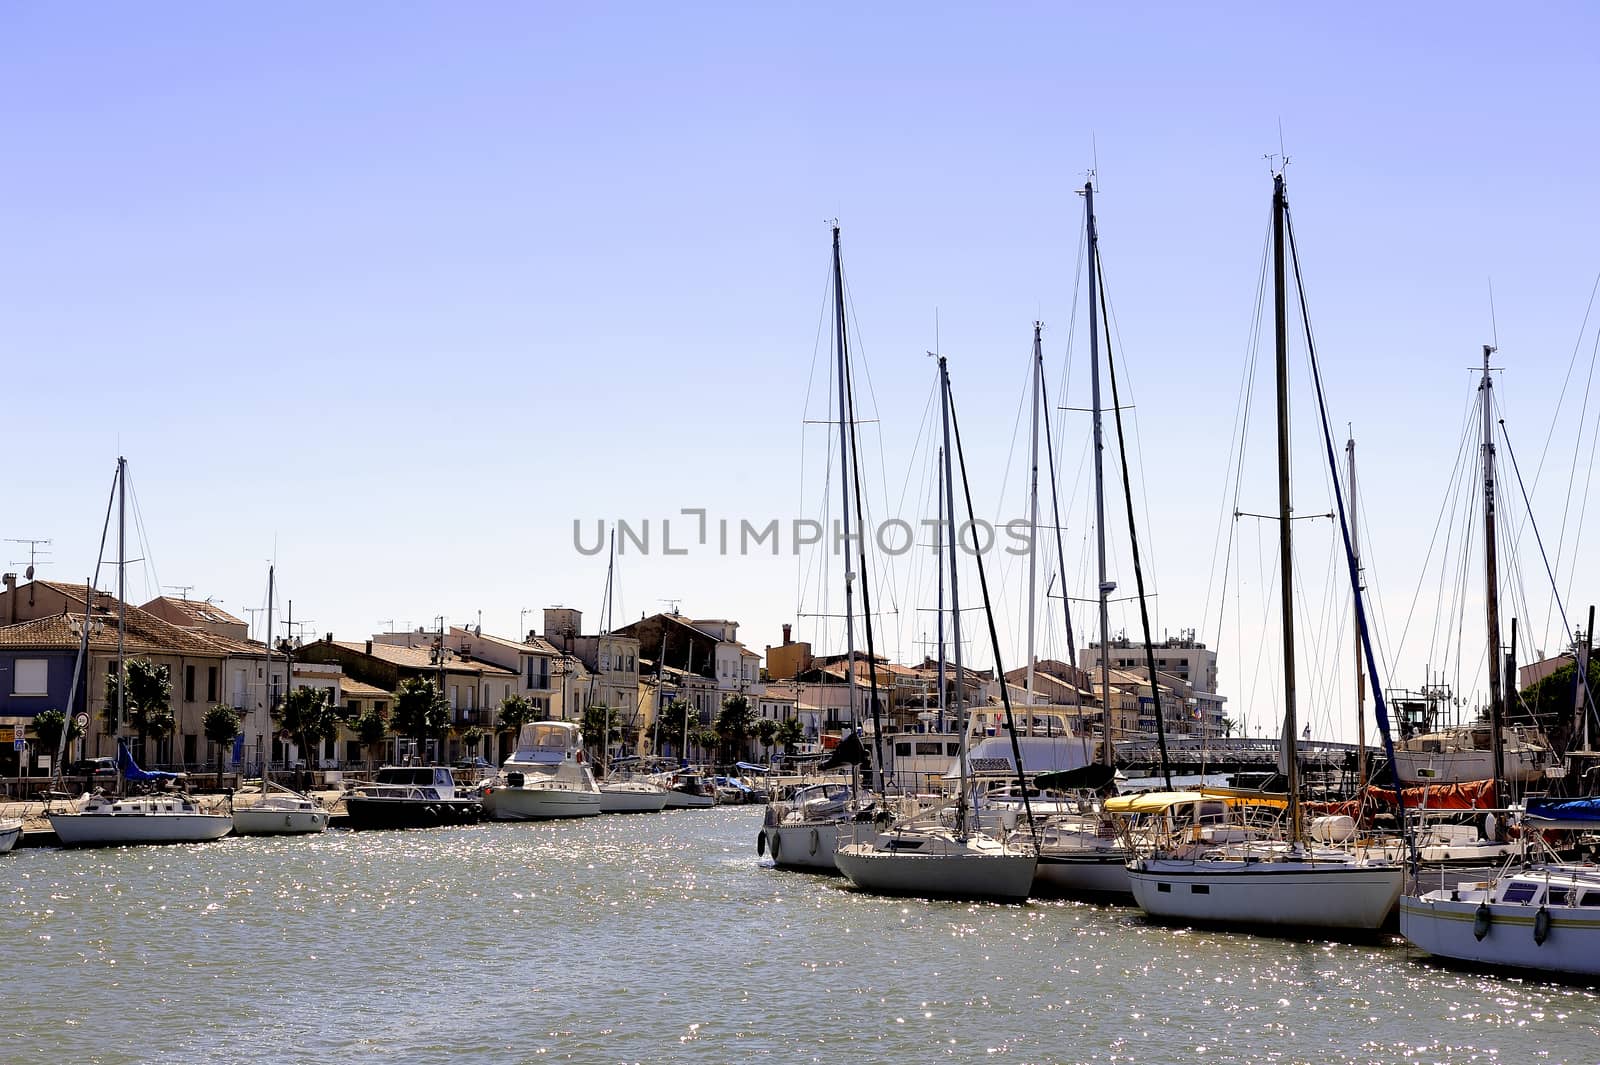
660 938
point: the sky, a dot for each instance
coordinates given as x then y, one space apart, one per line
396 294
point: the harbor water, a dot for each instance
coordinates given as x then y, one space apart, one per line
659 938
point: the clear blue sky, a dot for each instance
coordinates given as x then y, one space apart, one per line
396 292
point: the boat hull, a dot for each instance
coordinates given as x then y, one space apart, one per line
1457 767
1083 873
1267 894
631 801
116 830
682 800
10 832
960 875
1445 929
261 820
808 845
368 813
539 804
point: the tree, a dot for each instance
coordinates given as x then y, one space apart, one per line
47 729
600 728
419 710
220 725
670 723
705 738
309 718
790 733
733 726
372 729
516 711
1228 725
149 695
1550 701
767 733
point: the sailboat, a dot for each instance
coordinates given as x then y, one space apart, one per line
620 795
283 812
1280 884
805 832
925 855
102 820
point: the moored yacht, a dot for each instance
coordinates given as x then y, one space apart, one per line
279 813
10 832
102 821
545 778
632 797
406 796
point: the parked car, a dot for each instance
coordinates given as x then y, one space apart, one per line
94 768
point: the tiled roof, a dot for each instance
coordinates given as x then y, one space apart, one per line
362 691
538 645
202 611
422 658
146 634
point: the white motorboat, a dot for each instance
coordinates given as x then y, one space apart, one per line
1464 753
938 862
631 797
687 791
803 832
545 778
10 832
101 821
1543 917
280 813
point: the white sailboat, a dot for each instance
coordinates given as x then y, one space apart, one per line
10 833
544 778
925 856
621 795
284 811
103 821
1291 884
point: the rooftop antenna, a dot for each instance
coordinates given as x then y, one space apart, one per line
183 590
674 606
34 553
522 622
253 611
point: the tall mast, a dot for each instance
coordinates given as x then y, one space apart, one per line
266 758
844 481
1108 754
1285 505
1361 677
122 590
955 600
1033 513
605 616
939 480
1491 572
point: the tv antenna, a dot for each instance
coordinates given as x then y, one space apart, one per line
183 590
35 554
674 606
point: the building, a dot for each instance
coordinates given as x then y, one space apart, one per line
610 661
1189 664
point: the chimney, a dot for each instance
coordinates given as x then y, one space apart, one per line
11 597
369 647
329 637
787 630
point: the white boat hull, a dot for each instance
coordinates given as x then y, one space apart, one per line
624 799
115 830
10 832
1446 929
1455 767
681 800
263 820
959 874
539 804
1353 897
806 845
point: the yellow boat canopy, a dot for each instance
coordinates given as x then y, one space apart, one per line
1152 802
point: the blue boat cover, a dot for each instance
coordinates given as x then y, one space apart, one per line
131 771
1564 809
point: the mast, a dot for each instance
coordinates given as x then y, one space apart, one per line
1108 753
955 601
1285 505
122 592
1033 514
605 613
1361 677
939 481
266 760
1491 590
844 481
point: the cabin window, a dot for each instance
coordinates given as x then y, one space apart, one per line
1520 891
928 748
902 750
1164 887
1591 898
32 677
1199 889
952 749
1557 896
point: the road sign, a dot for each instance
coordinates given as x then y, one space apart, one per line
16 737
82 720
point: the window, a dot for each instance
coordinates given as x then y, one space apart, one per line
1521 891
211 684
188 684
1199 889
31 677
1557 896
1591 898
1164 887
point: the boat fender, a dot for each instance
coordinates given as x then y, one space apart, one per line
432 812
761 844
1541 926
288 820
1480 921
813 842
777 844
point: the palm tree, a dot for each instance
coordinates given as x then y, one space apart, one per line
309 718
48 726
371 728
220 725
149 696
420 711
767 733
733 726
1228 725
790 733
